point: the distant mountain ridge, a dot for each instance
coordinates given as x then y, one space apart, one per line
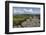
27 14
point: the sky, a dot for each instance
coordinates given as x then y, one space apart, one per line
26 10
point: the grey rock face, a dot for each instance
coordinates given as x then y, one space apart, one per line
33 23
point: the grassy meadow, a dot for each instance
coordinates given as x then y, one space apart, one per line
18 19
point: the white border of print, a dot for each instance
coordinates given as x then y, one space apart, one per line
11 29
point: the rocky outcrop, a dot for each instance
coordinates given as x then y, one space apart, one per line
30 22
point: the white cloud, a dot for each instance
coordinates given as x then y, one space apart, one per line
25 11
29 10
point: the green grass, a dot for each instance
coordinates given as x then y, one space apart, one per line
17 20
